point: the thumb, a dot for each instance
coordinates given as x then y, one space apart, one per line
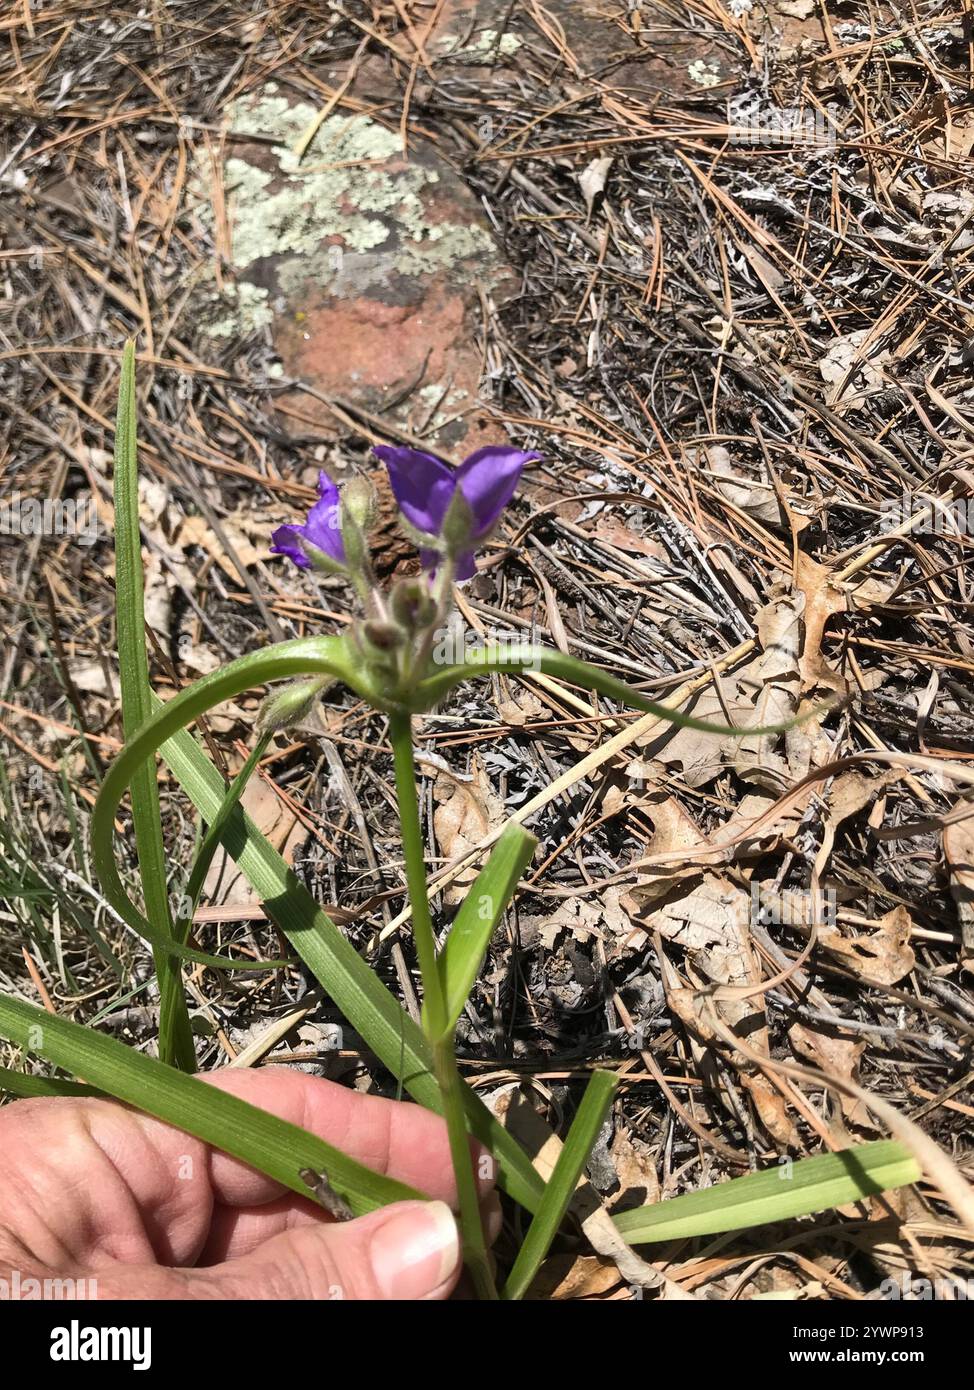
410 1250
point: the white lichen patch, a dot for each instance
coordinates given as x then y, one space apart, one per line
704 74
347 217
448 406
243 308
442 246
486 47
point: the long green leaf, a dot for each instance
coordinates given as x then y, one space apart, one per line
561 1186
501 659
319 656
23 1085
460 960
175 1033
777 1194
256 1137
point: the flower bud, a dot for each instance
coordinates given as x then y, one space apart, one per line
358 502
382 637
411 604
357 509
284 708
320 559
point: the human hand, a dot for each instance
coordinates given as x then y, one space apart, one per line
91 1189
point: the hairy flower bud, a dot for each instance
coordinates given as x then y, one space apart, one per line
284 708
383 637
458 524
358 502
411 605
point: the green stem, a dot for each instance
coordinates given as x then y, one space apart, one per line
471 1226
435 1017
401 735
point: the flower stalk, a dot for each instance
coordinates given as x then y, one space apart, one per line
435 1017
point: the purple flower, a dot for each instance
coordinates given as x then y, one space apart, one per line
321 529
424 487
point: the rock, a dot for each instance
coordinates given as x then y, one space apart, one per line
364 263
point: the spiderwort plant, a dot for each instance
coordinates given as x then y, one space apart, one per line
388 659
449 513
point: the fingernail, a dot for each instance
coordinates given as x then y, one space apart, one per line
415 1250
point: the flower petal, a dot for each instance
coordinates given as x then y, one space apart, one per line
466 566
321 528
286 541
488 479
422 485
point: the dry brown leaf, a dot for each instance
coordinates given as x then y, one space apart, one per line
822 600
636 1171
836 1057
592 180
195 530
852 369
466 814
769 275
779 630
752 807
93 678
585 918
521 707
772 1109
160 582
630 542
224 882
673 830
614 800
580 917
712 923
753 496
883 956
848 795
765 691
573 1276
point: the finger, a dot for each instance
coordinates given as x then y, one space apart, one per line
83 1182
410 1250
394 1137
236 1231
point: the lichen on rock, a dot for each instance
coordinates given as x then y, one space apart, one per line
347 217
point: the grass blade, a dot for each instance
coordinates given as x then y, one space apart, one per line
256 1137
561 1185
175 1034
460 960
778 1194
